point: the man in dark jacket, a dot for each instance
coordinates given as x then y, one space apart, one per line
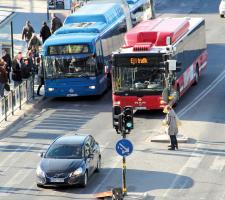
27 32
34 43
56 23
45 32
3 77
26 69
6 57
16 69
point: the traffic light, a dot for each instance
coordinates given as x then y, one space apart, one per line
128 119
123 120
117 118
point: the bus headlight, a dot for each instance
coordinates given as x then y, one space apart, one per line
117 103
51 89
92 87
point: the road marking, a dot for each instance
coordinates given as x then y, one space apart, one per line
218 164
11 155
116 162
202 95
9 186
191 163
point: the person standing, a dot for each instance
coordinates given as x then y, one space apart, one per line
16 69
40 78
27 32
26 69
6 57
45 32
34 43
3 77
56 23
172 128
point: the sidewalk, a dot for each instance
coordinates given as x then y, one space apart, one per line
19 115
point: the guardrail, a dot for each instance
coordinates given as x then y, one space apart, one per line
15 98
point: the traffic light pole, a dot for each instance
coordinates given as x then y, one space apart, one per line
124 167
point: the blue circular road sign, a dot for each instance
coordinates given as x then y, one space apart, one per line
124 147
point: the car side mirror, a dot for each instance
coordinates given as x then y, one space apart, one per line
41 154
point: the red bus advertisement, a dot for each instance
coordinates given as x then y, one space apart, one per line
138 73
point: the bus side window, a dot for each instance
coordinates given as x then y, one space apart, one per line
99 57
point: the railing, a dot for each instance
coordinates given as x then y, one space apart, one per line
15 99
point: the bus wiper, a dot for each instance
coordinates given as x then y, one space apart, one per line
83 76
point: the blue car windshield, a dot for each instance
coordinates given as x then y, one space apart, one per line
64 151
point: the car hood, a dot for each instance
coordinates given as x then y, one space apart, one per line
59 165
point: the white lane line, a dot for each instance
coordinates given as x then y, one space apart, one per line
18 157
116 162
9 157
191 163
5 189
218 163
202 95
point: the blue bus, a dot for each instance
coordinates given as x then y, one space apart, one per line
77 57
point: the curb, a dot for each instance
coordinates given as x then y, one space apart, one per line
28 107
165 138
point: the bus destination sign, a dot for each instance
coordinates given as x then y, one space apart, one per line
139 61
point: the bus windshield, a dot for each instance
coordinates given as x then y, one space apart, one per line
145 79
69 66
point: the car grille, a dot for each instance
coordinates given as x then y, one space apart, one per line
57 175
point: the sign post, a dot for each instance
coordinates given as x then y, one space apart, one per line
124 148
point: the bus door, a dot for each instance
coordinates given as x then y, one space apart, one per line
101 74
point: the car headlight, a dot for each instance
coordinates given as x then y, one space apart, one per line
40 172
77 172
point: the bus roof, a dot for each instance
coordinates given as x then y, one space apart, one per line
84 27
70 39
106 13
156 31
132 1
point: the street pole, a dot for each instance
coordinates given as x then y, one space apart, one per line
47 10
152 9
124 187
127 14
12 43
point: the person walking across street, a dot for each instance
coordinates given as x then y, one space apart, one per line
16 69
27 32
56 23
40 78
172 128
45 32
6 57
3 77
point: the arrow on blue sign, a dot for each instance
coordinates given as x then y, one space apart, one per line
124 147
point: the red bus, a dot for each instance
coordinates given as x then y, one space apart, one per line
138 77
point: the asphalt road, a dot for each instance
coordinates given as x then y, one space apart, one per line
195 172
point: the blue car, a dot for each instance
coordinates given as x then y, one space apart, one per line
69 160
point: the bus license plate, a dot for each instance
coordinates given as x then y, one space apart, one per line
72 95
57 180
140 108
